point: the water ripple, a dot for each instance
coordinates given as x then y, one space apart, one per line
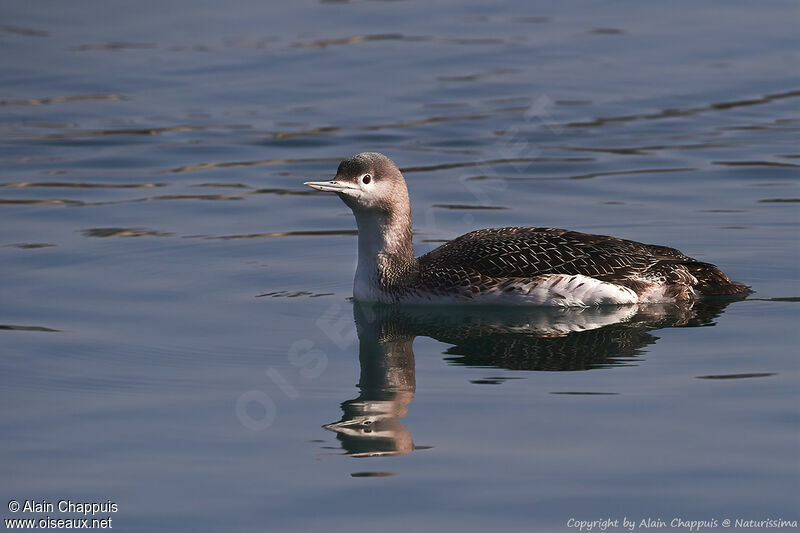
10 327
583 176
277 234
80 203
357 39
30 245
122 232
605 31
77 134
464 206
644 150
114 46
478 75
445 166
59 99
27 201
24 31
779 200
399 125
739 376
754 164
229 164
79 185
671 113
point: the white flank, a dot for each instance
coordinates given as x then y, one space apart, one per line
556 290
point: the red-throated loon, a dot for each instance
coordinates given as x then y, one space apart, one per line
510 266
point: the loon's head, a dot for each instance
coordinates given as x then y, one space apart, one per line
368 182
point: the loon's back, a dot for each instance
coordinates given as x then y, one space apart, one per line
562 267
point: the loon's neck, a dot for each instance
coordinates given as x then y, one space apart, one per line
385 253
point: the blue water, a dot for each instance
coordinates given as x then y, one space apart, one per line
175 322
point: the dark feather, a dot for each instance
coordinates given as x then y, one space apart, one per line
512 253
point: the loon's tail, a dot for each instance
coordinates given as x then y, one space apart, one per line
711 281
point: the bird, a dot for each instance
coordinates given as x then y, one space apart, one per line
504 266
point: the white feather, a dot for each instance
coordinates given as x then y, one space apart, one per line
556 290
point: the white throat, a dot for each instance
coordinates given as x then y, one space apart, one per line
380 237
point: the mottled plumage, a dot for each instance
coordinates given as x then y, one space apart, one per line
502 257
536 266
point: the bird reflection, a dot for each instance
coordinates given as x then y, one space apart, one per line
522 338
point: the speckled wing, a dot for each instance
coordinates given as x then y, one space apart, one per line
531 252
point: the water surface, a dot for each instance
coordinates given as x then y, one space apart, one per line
176 330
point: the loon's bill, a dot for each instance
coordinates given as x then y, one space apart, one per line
329 186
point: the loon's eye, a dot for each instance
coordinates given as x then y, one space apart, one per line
366 179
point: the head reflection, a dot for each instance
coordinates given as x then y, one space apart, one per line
510 338
370 424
